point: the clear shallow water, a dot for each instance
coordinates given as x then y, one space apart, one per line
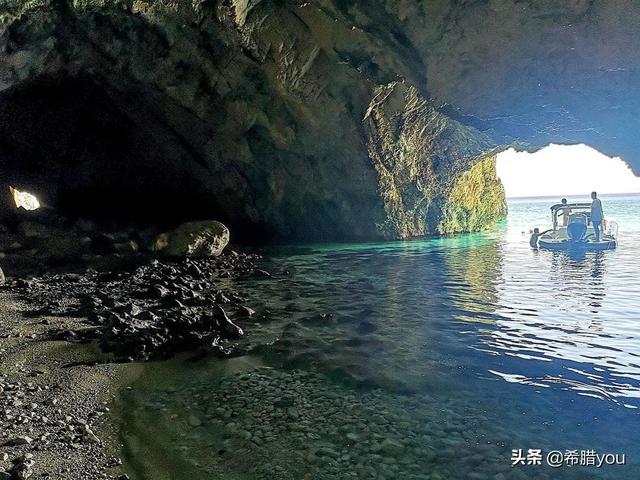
425 359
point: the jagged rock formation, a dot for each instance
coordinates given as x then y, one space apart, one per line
304 120
475 198
424 162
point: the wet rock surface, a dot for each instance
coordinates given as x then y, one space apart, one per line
137 306
150 311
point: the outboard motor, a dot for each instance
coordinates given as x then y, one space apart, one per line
576 231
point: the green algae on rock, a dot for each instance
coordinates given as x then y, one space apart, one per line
418 154
476 200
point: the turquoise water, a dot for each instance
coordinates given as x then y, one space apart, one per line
420 360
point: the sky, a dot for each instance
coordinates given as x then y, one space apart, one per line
564 170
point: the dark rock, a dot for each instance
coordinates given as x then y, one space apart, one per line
103 243
85 226
31 229
158 291
15 246
228 328
19 440
178 312
126 248
246 311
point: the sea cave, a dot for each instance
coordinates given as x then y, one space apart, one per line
251 239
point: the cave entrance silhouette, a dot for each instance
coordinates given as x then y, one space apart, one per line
564 170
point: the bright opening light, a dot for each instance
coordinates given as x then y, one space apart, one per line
24 199
564 170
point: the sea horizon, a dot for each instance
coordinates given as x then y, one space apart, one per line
573 196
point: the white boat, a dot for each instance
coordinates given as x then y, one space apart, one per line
578 232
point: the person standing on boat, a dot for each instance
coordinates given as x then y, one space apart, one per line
566 211
596 215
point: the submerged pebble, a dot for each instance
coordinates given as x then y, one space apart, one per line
315 428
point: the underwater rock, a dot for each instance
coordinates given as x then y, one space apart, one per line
2 277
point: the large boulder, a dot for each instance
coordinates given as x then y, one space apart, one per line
205 238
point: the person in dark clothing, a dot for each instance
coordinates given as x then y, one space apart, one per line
535 236
597 215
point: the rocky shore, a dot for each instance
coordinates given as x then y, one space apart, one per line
73 332
150 311
143 294
54 418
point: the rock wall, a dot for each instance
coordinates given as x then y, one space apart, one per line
427 165
301 120
534 71
474 199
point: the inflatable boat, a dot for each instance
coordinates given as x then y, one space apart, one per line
576 231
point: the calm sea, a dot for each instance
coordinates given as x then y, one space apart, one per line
440 359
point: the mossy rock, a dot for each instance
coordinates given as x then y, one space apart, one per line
476 200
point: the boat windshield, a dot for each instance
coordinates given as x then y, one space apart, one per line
572 212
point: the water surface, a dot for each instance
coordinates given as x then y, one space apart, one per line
420 360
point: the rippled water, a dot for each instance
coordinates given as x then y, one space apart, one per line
425 359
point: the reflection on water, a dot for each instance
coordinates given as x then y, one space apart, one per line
567 316
418 360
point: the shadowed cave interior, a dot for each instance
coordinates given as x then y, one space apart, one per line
80 147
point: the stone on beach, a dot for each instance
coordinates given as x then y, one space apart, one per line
228 328
19 440
205 238
152 311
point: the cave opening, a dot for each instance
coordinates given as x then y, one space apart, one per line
87 150
564 171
